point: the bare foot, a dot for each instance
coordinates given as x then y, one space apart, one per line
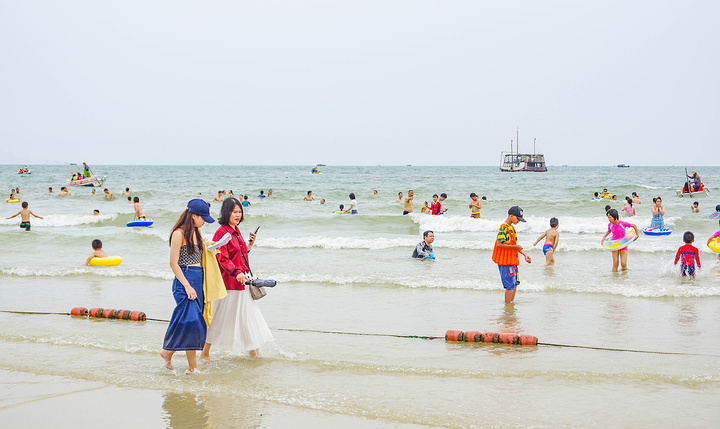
255 353
204 357
192 371
167 357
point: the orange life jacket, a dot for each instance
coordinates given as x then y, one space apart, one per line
503 256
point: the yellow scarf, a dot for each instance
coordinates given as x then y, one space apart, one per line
213 286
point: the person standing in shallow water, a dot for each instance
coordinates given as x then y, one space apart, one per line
237 322
187 329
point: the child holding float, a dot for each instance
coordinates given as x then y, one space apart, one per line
616 227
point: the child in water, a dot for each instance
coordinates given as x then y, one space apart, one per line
616 227
25 216
97 251
695 207
139 213
658 212
505 253
689 254
552 238
628 207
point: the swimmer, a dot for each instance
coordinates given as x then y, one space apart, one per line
138 208
97 251
262 194
341 209
219 197
442 199
130 200
309 196
25 216
424 248
400 198
50 191
635 198
322 200
475 206
246 202
93 191
109 195
64 192
552 238
269 193
127 192
695 207
96 212
408 204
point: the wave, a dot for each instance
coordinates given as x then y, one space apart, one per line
51 221
74 271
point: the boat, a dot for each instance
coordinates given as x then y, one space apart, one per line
516 161
623 166
24 170
95 181
694 194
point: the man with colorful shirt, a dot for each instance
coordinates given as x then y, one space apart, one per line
505 253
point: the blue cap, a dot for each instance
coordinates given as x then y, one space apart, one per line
200 208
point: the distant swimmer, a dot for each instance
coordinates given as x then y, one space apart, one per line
25 216
399 198
97 251
127 192
262 194
109 195
246 202
695 207
64 191
475 206
309 196
138 208
269 194
322 200
130 200
424 249
408 205
96 212
552 239
635 198
340 210
219 197
50 191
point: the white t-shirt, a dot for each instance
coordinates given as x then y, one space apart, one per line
353 205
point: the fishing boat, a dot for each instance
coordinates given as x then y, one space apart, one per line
24 170
687 189
516 161
623 166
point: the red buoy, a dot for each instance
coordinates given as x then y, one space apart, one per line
79 311
528 340
138 316
490 337
454 336
509 338
473 337
96 312
110 313
123 314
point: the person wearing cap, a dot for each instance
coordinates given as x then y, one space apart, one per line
505 253
697 182
475 206
187 329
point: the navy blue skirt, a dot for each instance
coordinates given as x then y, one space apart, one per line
187 328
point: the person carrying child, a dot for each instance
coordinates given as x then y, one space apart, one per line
97 251
552 238
616 227
25 216
689 254
505 253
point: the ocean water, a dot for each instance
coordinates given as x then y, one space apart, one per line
353 274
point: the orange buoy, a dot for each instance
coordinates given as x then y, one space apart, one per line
490 337
528 340
109 313
96 312
138 316
509 338
454 336
123 314
473 337
79 311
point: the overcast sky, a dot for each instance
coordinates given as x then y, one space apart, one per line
359 82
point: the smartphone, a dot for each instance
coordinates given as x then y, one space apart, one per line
256 230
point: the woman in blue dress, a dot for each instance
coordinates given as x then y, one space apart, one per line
187 328
658 212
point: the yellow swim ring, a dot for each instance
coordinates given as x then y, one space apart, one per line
15 200
108 261
714 244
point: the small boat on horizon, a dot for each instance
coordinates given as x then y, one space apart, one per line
623 166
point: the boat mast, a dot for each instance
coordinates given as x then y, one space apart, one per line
534 139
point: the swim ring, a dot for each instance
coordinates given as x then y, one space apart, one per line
714 244
622 243
657 231
142 221
108 261
715 215
12 201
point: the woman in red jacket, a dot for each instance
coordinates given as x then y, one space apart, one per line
237 322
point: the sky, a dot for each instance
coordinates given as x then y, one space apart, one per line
359 82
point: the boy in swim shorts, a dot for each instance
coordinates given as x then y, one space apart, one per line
689 254
475 206
552 238
505 253
25 216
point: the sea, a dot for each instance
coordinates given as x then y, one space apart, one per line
359 325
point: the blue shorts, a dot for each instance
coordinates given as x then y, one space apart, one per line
509 276
353 212
546 248
687 270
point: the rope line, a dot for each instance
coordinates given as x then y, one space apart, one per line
420 337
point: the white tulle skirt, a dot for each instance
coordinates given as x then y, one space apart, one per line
237 323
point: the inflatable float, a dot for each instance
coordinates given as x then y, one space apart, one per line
714 244
108 261
14 200
648 230
715 215
622 243
140 221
